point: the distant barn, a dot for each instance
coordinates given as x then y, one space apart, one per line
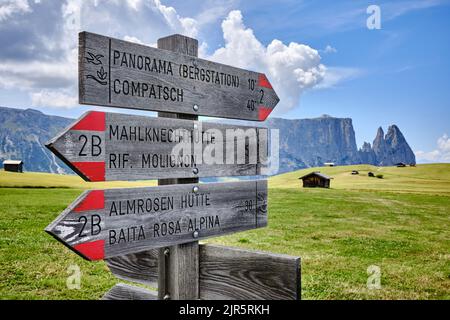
329 164
13 165
316 179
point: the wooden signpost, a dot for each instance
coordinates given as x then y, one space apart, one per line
109 146
106 223
224 273
122 74
150 235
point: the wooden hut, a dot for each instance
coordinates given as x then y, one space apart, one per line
13 165
316 179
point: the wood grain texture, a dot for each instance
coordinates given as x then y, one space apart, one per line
137 148
178 270
237 274
232 273
140 267
179 44
137 219
122 74
123 291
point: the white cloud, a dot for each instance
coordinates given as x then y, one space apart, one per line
54 99
444 143
40 46
45 63
440 154
329 49
132 39
396 9
336 75
29 75
10 7
188 26
290 68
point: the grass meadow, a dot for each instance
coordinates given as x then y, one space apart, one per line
399 223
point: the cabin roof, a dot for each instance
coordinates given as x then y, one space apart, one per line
12 162
316 173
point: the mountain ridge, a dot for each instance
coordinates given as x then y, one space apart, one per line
303 142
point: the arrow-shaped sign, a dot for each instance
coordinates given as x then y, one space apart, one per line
122 74
106 223
110 146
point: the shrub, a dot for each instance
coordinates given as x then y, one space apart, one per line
379 176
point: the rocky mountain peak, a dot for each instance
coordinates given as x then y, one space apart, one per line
379 146
379 138
303 142
394 136
399 149
366 147
390 149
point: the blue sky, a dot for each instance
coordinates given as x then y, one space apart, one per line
398 74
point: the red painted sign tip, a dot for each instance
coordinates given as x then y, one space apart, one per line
91 171
93 201
263 113
94 250
93 121
264 82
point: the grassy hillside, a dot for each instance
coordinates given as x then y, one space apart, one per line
429 178
48 180
398 223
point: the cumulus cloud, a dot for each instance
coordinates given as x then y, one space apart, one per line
290 68
54 99
132 39
440 154
11 7
39 51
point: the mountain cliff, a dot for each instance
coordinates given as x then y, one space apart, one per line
388 149
23 134
303 142
313 142
397 148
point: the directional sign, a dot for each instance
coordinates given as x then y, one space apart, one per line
224 273
122 74
105 223
109 146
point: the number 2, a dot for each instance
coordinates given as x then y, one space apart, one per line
262 96
82 154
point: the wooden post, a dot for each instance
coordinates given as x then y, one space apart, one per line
178 275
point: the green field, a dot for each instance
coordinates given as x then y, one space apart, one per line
399 223
60 181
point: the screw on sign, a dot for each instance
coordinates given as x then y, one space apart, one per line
109 146
151 234
122 74
106 223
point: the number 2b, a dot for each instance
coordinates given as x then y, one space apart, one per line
93 145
